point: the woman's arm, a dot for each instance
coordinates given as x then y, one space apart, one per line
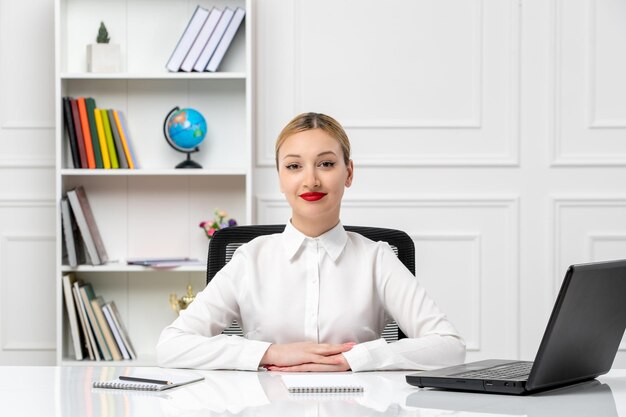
432 341
194 339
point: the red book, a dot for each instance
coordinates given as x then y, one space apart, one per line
79 134
84 123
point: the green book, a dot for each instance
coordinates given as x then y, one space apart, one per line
87 294
109 136
90 103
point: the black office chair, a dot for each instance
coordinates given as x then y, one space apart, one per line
226 241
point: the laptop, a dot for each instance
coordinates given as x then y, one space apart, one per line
580 342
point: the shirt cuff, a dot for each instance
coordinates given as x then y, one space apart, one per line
359 357
252 354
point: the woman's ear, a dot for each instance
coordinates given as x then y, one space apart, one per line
350 168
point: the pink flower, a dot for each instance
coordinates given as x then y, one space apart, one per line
210 232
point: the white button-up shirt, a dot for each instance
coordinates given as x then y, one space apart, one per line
339 287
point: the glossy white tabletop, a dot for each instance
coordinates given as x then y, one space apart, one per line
66 391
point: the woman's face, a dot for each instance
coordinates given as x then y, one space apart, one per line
313 176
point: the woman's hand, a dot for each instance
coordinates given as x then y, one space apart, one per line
317 356
340 365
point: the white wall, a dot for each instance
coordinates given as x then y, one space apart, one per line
492 131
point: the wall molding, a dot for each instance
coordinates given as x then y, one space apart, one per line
557 157
27 163
13 345
508 158
474 275
558 203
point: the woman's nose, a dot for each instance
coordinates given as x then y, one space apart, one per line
311 180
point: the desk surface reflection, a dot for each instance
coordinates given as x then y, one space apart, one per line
67 392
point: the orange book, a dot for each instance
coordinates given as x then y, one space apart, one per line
84 123
131 164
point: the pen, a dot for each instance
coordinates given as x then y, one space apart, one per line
148 380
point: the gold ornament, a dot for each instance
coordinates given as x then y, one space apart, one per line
181 303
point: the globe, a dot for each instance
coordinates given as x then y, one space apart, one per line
184 130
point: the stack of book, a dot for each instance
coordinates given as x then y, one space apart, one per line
98 138
81 237
96 326
206 39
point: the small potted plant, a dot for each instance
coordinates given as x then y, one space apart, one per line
103 56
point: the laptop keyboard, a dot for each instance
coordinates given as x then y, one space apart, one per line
514 370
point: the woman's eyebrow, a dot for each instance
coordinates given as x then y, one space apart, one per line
293 155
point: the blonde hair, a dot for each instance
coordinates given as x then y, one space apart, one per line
309 121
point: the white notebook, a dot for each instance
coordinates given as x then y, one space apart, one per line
322 383
154 381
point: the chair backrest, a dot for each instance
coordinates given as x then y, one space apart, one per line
226 241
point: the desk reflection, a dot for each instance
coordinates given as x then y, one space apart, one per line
591 398
232 393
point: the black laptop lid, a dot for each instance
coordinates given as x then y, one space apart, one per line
586 326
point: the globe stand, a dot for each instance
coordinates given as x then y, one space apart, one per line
187 163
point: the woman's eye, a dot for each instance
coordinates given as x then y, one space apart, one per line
292 166
327 164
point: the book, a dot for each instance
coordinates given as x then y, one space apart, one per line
84 123
87 225
108 315
121 157
201 41
109 138
78 130
96 304
106 162
120 132
117 319
87 294
190 34
69 128
69 235
90 341
90 104
68 280
226 40
129 141
145 380
322 384
214 40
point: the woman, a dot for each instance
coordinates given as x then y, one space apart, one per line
315 297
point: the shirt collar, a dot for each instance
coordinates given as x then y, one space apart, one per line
333 241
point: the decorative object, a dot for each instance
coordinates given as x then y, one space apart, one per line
103 56
184 130
219 222
183 302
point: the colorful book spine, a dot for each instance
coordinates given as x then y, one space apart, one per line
84 123
109 136
127 154
71 135
90 103
121 158
106 162
80 143
129 141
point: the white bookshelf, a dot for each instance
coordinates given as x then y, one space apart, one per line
153 211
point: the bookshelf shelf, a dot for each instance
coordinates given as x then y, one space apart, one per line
155 210
152 172
156 76
131 268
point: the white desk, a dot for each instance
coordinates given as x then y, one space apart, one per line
66 391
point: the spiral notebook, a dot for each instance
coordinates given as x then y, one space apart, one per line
322 384
156 381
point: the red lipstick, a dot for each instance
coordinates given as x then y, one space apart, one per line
312 196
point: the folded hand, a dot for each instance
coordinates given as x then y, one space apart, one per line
306 356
